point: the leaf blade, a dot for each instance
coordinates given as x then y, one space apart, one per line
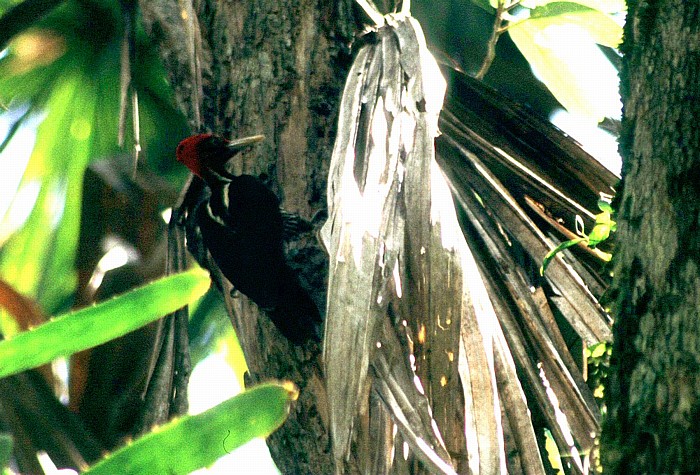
193 442
92 326
554 48
602 28
606 6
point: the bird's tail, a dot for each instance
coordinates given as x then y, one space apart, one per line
296 315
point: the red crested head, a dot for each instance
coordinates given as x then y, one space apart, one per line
188 152
208 150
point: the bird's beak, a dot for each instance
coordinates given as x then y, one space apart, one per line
235 146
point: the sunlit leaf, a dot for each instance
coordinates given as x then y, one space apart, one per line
92 326
603 218
70 75
211 332
599 233
601 27
605 6
598 350
235 356
602 229
59 279
553 452
567 59
193 442
38 259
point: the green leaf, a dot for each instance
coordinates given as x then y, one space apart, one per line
550 255
32 63
599 392
599 233
605 6
193 442
602 27
554 41
553 452
605 206
596 351
7 4
92 326
70 75
602 229
58 280
603 218
38 259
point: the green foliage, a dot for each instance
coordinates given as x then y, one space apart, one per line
604 226
553 455
92 326
192 442
66 69
606 6
598 363
601 27
555 35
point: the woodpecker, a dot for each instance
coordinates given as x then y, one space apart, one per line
242 226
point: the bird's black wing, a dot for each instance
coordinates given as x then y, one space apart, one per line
243 229
241 226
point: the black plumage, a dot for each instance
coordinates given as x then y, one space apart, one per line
242 226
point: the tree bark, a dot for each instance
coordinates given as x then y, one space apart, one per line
653 394
275 68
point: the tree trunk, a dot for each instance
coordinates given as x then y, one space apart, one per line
654 390
275 68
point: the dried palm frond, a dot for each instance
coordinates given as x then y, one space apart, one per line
440 338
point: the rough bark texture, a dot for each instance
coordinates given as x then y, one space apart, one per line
654 391
275 68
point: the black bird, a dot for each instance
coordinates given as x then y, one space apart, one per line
243 227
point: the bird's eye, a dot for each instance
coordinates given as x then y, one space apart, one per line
180 147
